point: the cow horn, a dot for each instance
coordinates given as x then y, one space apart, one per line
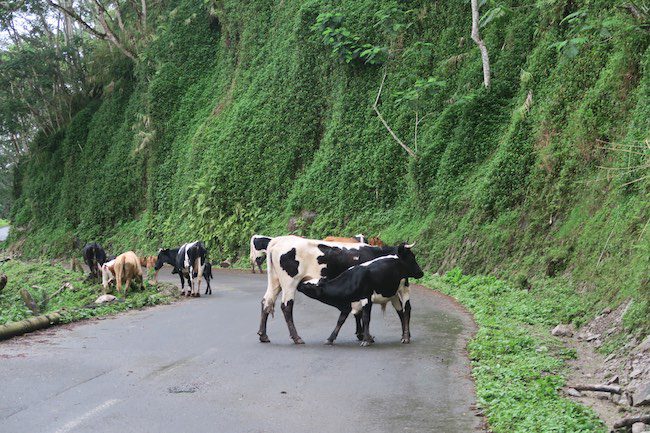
409 246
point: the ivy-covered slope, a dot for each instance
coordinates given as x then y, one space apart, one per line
240 115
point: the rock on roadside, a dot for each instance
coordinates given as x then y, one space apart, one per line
642 395
105 299
563 331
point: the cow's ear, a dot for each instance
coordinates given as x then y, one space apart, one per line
401 249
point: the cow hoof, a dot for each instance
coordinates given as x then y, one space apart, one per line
360 337
329 343
264 338
366 343
198 295
298 341
406 340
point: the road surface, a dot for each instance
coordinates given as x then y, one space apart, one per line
197 366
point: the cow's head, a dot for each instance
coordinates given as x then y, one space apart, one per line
163 257
406 256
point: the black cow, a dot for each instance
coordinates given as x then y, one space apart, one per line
207 275
94 257
188 262
376 280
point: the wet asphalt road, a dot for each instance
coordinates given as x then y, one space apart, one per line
197 366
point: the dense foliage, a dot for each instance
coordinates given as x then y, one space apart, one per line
517 365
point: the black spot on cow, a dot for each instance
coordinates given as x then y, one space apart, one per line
261 243
289 263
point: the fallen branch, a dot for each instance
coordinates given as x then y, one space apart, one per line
12 329
395 137
62 288
614 389
628 422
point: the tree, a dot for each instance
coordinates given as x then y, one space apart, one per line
103 20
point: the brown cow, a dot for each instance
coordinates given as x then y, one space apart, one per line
373 241
123 269
148 261
353 240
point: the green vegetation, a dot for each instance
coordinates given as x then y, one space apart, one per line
4 222
44 282
516 364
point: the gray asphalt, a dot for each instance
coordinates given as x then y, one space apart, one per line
197 366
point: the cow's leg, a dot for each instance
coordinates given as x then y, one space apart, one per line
126 286
399 309
406 328
287 310
190 285
259 262
200 274
344 315
252 265
180 275
359 331
118 278
273 289
367 338
288 295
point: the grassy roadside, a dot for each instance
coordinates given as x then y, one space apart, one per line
44 280
4 223
517 365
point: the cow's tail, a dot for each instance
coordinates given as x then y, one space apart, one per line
271 280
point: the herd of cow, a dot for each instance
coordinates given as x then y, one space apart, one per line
350 274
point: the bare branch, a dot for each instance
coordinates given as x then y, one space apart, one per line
110 35
87 27
395 137
481 45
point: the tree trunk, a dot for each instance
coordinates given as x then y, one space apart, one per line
481 45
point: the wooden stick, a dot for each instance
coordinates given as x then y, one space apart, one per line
627 422
614 389
383 121
605 247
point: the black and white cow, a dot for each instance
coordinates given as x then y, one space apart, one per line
377 280
94 257
293 259
259 244
188 262
207 276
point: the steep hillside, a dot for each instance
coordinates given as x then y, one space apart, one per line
241 115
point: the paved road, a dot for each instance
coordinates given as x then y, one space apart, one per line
197 366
